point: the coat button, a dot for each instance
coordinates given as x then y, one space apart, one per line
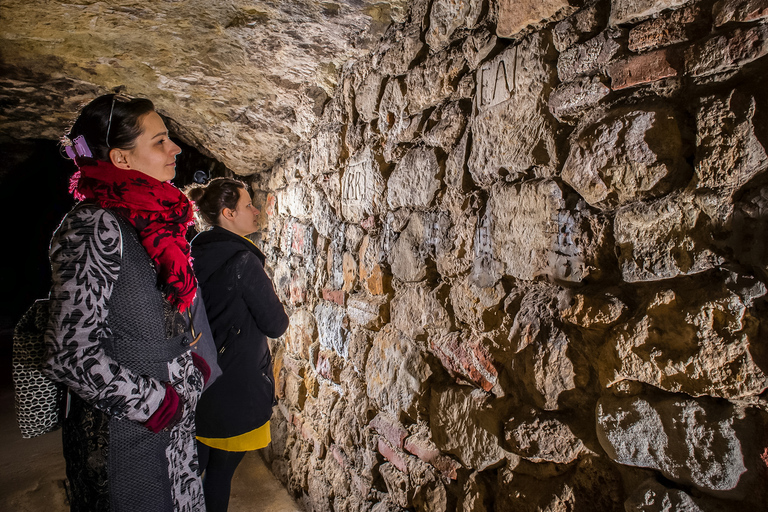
184 341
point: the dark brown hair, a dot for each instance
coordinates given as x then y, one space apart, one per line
218 194
110 121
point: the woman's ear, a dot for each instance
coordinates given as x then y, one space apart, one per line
119 158
228 213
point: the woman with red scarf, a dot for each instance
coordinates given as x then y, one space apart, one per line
120 332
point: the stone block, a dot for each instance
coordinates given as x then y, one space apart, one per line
698 339
390 429
693 442
629 11
395 476
512 129
477 46
594 311
533 233
652 496
462 424
349 268
629 155
454 255
367 96
295 390
368 312
301 333
727 52
581 25
412 254
467 356
543 439
394 114
396 374
570 100
446 125
662 239
672 27
433 81
337 296
730 144
415 180
400 50
740 11
445 16
416 311
478 307
332 328
549 367
514 15
362 187
646 68
326 151
426 450
590 57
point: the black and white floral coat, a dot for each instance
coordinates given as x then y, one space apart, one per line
115 341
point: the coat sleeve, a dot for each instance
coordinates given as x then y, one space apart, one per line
85 260
260 297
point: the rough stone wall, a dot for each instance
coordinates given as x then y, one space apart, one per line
525 263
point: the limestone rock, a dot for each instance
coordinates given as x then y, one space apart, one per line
581 25
725 11
243 80
652 496
362 187
512 129
669 28
326 151
463 424
688 441
300 334
662 239
514 16
477 307
589 57
396 373
591 311
445 16
625 11
570 100
727 52
332 328
415 180
533 233
394 115
477 46
295 200
549 367
367 96
730 146
690 341
627 156
369 312
400 49
455 255
433 81
543 439
446 125
417 311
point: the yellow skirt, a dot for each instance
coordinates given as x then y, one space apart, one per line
253 440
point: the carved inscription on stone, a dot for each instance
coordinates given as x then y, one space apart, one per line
512 129
361 187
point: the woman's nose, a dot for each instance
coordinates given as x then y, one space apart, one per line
176 149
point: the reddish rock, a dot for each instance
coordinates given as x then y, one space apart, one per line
674 27
725 11
428 452
727 52
645 68
271 205
467 357
396 457
390 429
337 296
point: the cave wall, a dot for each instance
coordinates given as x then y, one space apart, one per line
525 262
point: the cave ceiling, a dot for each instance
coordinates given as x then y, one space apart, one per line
243 81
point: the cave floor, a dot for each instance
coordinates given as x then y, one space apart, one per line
32 471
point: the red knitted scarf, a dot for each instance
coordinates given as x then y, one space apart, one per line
160 213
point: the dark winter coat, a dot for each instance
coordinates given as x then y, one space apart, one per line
243 309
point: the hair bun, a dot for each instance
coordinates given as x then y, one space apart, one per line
196 193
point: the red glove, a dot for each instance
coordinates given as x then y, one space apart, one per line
201 365
168 414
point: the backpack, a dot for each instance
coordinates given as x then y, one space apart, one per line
38 399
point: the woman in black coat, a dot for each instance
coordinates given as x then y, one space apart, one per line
243 309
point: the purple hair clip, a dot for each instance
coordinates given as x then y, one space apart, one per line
78 148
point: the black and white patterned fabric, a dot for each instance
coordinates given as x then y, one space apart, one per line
113 342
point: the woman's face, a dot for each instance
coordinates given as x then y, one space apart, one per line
244 216
154 153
